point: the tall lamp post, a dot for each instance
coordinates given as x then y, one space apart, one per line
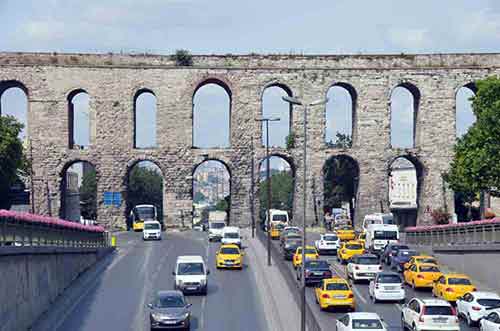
295 101
268 170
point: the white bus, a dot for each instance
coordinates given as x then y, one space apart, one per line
379 235
377 218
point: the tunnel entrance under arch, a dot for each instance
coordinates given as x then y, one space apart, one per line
79 192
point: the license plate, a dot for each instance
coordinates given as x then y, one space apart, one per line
389 288
169 321
318 274
191 288
440 320
229 262
339 296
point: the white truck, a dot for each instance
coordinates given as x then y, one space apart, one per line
277 216
377 218
216 224
231 235
379 235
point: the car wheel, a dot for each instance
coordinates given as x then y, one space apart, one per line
403 324
414 327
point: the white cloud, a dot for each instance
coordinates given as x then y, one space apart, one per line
408 38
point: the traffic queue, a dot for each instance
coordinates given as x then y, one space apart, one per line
376 257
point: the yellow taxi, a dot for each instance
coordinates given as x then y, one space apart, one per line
345 233
450 287
276 230
419 259
310 252
229 256
334 292
348 250
422 275
361 238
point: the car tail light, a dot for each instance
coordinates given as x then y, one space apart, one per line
420 276
379 267
454 311
422 313
350 296
356 268
448 289
325 296
474 289
476 308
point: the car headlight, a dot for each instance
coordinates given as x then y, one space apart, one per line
156 316
185 315
203 281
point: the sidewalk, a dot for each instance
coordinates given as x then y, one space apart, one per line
282 313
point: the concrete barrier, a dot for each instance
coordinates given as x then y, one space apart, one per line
33 277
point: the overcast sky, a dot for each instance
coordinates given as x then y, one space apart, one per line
205 27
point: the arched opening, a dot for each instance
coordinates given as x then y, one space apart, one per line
274 107
405 99
79 193
14 102
145 114
212 115
340 185
79 120
464 114
211 190
340 115
144 186
405 176
282 184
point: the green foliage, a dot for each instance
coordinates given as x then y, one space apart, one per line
476 164
224 204
290 140
88 195
341 141
183 58
12 159
145 187
199 197
281 193
340 181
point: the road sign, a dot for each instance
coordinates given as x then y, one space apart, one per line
117 199
108 198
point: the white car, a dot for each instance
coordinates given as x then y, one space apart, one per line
152 230
387 286
327 244
360 321
191 274
231 235
429 315
363 267
491 322
215 230
472 306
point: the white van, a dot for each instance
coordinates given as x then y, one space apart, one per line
151 230
277 216
191 274
215 229
377 218
231 235
379 235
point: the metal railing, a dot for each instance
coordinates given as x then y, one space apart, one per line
23 231
474 233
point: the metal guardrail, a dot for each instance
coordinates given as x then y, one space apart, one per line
16 232
477 233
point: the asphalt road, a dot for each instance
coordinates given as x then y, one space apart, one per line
118 298
389 311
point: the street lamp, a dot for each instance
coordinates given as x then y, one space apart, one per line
295 101
268 167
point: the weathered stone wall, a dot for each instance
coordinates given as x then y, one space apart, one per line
112 81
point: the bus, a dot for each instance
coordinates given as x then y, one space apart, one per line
141 213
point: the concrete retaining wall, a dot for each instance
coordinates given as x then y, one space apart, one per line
32 278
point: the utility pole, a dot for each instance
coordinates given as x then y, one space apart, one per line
252 190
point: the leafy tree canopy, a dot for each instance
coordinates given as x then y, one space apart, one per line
145 187
281 193
88 195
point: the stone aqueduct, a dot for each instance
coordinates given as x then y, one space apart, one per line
112 80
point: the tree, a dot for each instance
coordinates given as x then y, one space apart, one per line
88 195
13 162
476 163
145 187
199 197
340 181
341 141
281 193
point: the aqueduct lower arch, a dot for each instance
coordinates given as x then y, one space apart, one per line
110 80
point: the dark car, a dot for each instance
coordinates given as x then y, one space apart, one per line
169 310
315 271
390 250
289 232
400 258
290 236
290 246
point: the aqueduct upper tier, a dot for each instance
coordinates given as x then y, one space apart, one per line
113 80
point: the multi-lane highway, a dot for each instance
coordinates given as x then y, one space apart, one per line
117 299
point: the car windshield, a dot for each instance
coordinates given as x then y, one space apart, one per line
389 279
310 251
217 225
170 301
366 324
427 260
231 235
345 228
406 253
293 243
438 310
367 260
151 226
279 218
489 302
386 235
353 246
192 268
330 238
317 265
337 287
399 247
294 237
229 250
145 212
459 281
429 268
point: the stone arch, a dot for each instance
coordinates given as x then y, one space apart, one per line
352 128
24 116
341 170
195 116
71 200
402 178
464 115
137 97
286 119
415 104
72 118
